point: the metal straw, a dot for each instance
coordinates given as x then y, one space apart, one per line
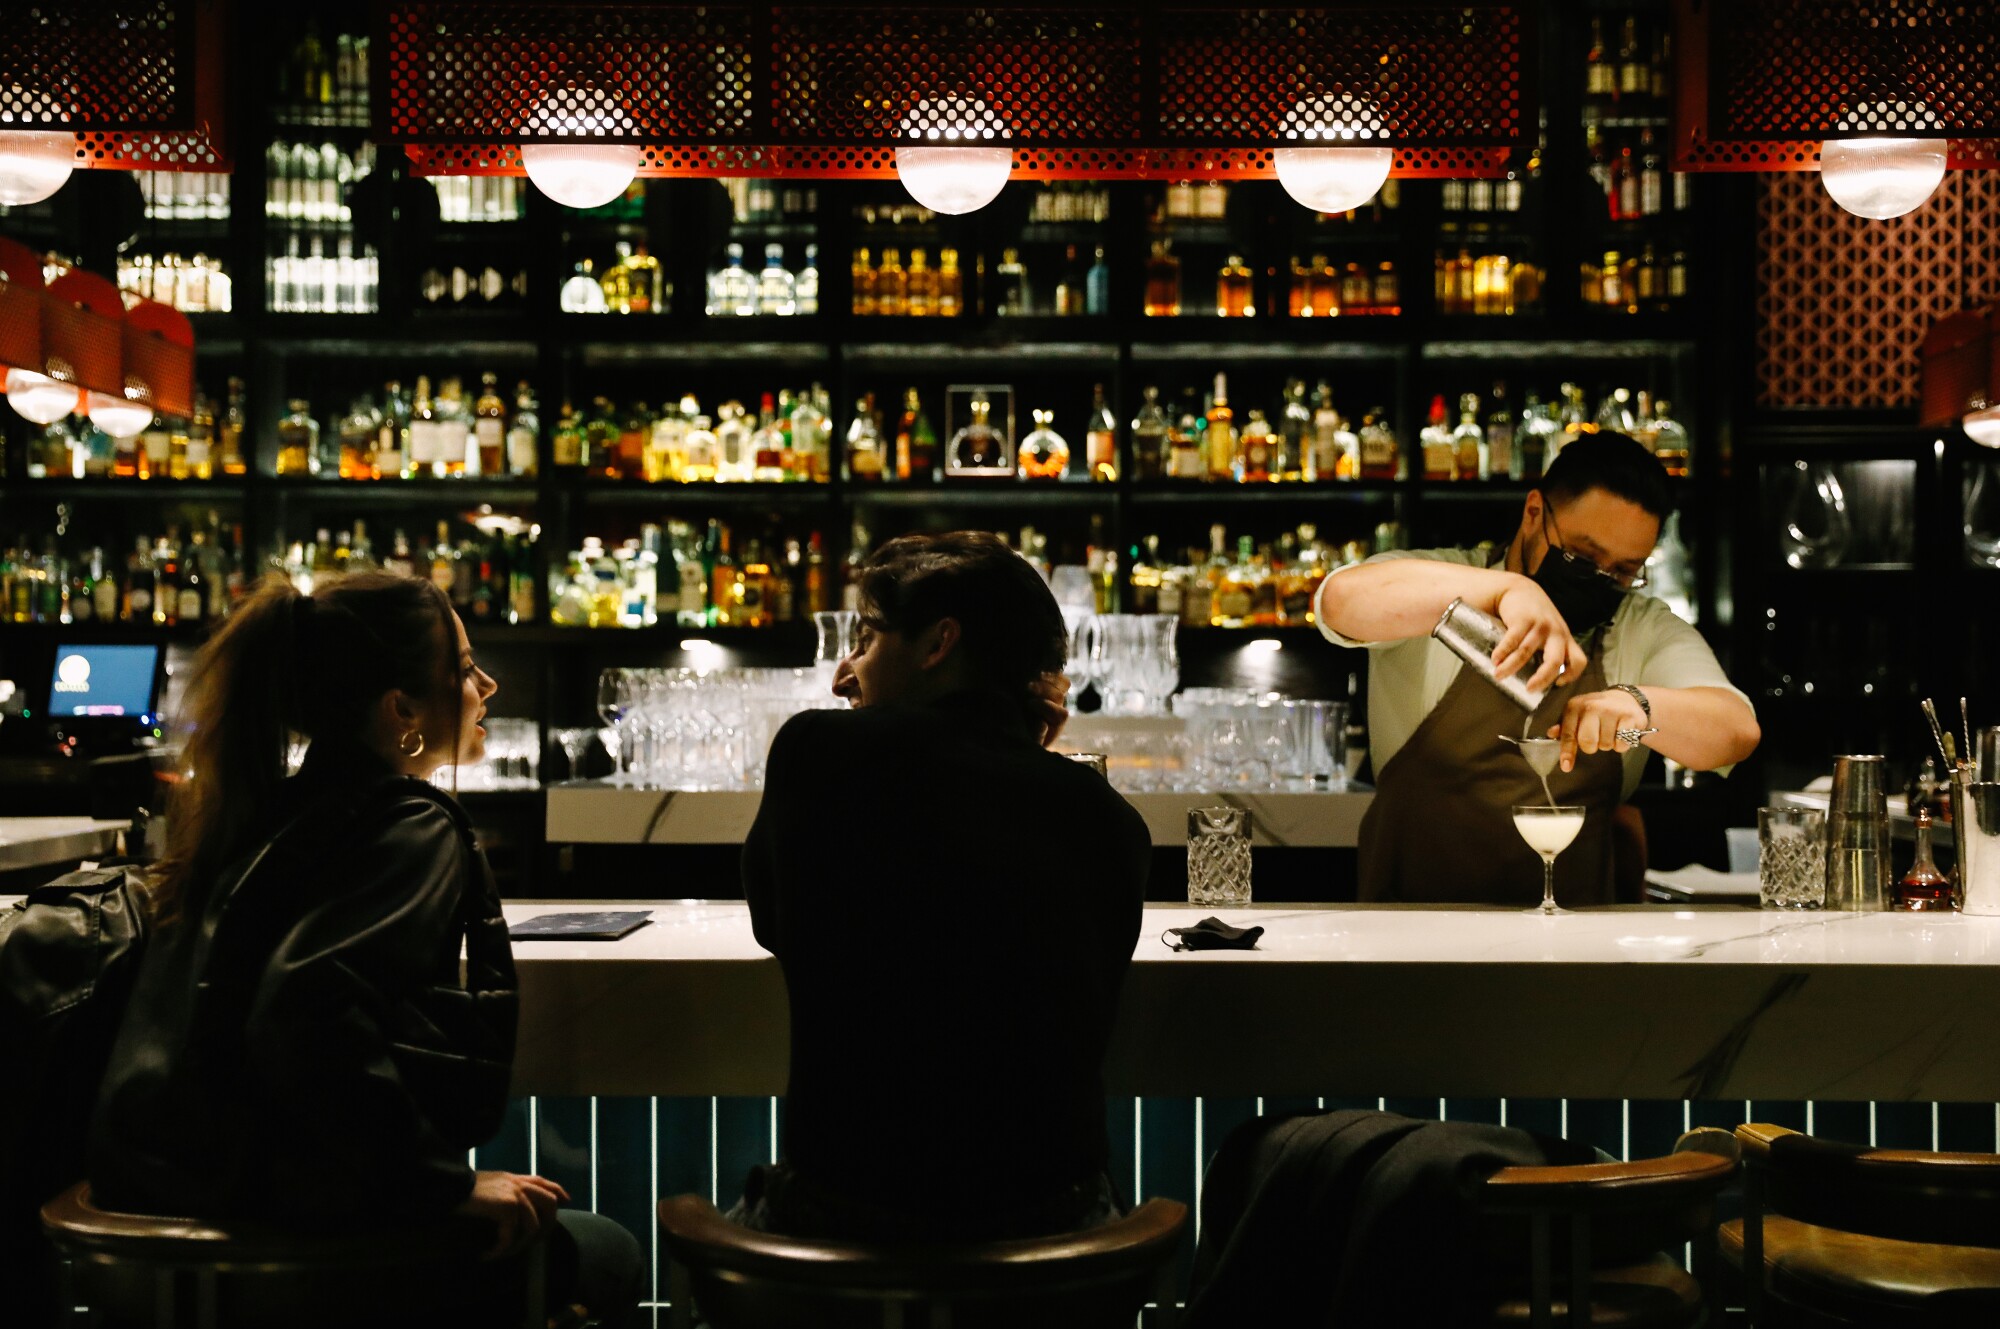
1965 727
1937 731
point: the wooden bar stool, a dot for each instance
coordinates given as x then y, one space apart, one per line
1620 1219
1837 1235
175 1272
1076 1280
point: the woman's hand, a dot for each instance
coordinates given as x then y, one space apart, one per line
518 1207
1051 693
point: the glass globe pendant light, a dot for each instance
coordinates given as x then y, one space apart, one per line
1882 176
1333 179
955 160
120 417
34 164
584 174
39 398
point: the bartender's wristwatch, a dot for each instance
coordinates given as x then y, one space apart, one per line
1634 735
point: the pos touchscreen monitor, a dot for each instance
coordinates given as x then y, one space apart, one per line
105 682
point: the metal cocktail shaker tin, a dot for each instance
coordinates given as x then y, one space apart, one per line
1473 636
1857 835
1975 817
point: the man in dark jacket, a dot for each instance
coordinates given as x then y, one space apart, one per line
954 907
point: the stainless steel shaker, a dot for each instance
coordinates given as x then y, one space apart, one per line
1975 817
1857 835
1473 635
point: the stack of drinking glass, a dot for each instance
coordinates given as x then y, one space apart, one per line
1233 740
694 729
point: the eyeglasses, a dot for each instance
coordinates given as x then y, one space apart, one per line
1623 581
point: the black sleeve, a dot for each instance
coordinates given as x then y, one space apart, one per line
320 1028
788 783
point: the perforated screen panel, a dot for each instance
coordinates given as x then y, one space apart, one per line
826 90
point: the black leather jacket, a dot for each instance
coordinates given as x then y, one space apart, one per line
300 1044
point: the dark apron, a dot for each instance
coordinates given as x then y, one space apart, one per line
1441 828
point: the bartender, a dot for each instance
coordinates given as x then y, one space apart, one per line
1625 676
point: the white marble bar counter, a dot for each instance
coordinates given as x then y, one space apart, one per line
1622 1002
595 812
33 842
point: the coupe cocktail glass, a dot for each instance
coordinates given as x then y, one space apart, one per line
1548 831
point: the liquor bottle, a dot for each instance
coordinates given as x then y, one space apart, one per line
1435 443
1100 438
1635 78
921 286
1066 300
1381 451
140 582
358 431
1254 449
451 429
1574 420
1532 438
750 589
812 436
777 292
1470 459
298 441
978 448
1146 577
1233 298
1500 435
892 298
490 426
1185 458
427 434
690 578
1163 283
733 290
1923 887
1010 295
1670 440
1292 456
1237 594
805 287
1323 455
200 443
642 282
1097 286
524 434
1652 176
1044 454
1219 443
443 559
1149 438
950 285
1357 290
864 442
566 444
863 277
721 577
923 442
1322 288
732 438
1614 412
1600 78
816 595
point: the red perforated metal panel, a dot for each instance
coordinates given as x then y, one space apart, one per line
827 91
139 81
1779 123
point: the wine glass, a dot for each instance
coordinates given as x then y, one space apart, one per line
614 703
573 742
1548 829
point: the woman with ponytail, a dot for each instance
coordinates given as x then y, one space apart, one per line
301 1047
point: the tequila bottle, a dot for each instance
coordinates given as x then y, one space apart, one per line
805 287
777 292
732 291
1044 453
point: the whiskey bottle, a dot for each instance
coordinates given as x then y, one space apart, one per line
892 293
1381 452
1232 290
298 441
1254 450
950 285
1220 441
863 276
1100 438
1468 443
864 442
1435 443
921 286
1149 438
1163 283
490 427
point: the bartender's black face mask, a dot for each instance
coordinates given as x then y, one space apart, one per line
1586 596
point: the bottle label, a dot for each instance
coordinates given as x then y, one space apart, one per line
190 605
1101 449
142 599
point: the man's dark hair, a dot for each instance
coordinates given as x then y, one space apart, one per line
1010 629
1616 463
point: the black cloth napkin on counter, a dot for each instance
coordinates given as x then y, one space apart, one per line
609 926
1212 934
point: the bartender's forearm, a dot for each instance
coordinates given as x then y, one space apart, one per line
1701 728
1405 597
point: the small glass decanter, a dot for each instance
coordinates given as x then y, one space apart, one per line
1044 453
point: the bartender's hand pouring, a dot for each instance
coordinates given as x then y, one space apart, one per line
1591 723
1533 624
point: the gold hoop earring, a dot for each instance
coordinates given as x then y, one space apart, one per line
403 743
